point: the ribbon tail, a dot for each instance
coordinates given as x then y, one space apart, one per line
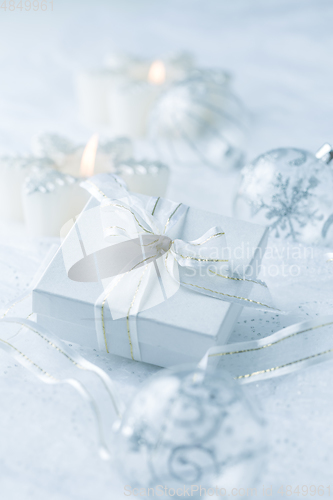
290 349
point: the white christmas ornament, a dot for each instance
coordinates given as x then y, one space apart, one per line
290 190
199 121
190 427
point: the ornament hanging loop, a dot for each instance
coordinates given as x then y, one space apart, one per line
325 153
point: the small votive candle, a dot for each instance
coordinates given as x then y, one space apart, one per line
68 156
145 177
13 171
50 199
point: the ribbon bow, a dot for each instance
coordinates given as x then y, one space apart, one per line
154 263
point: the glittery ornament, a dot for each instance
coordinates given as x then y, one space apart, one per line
290 191
188 428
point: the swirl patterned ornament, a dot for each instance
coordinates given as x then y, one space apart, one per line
189 428
290 190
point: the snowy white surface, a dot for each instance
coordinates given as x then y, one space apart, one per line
280 52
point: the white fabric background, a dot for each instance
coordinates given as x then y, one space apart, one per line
281 54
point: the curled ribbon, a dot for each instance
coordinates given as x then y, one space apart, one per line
159 263
65 367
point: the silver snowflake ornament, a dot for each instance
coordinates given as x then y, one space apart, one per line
290 191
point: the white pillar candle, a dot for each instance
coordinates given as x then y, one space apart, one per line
95 88
50 199
13 171
145 177
92 88
130 105
131 100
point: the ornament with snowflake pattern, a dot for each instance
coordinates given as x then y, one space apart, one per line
291 191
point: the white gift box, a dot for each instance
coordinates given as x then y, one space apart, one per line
178 330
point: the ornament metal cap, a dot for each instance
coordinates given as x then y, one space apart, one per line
325 153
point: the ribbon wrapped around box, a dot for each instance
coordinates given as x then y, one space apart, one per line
150 279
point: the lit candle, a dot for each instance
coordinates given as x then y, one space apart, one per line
13 171
131 101
52 197
98 91
67 155
145 177
177 66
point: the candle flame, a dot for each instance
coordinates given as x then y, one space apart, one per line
89 157
157 73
